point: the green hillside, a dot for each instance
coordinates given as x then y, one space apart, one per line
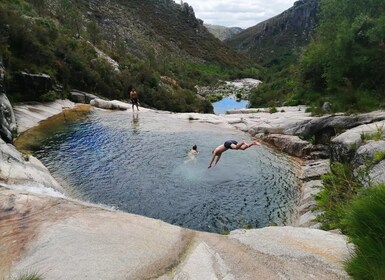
160 48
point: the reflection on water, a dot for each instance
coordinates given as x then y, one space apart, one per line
138 163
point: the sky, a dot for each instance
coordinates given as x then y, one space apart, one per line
237 13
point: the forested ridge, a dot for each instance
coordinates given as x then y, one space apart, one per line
344 64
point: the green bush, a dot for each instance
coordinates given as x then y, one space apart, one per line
365 223
30 276
273 110
49 96
341 185
378 156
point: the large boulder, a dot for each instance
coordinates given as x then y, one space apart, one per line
111 105
32 87
324 128
7 119
78 96
344 146
295 146
367 151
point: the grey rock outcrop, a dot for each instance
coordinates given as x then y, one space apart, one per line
7 117
324 128
295 146
222 32
367 151
78 96
241 87
30 114
377 174
67 239
33 86
344 146
17 169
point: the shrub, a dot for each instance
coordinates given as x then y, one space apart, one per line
49 96
376 136
341 185
31 276
365 223
379 156
273 110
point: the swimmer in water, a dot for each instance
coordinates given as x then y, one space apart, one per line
232 145
192 154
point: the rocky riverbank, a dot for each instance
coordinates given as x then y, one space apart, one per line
314 140
61 238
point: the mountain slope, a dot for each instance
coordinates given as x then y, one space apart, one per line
223 32
153 25
279 39
108 47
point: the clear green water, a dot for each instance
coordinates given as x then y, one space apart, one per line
137 163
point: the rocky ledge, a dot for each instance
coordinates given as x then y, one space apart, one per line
59 238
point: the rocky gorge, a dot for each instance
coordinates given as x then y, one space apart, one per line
46 232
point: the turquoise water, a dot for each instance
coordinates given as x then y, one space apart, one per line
220 107
138 163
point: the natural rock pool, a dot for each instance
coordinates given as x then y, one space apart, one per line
137 163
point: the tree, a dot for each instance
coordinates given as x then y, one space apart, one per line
349 47
70 16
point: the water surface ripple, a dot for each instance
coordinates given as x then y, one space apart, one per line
137 163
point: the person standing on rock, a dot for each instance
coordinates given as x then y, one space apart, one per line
134 99
232 145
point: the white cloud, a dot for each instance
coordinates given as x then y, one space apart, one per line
240 13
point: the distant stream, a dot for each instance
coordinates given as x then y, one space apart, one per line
229 103
138 163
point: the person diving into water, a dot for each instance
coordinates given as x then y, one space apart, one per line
232 145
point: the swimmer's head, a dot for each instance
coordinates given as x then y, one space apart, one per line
194 147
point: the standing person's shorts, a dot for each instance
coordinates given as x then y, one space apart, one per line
134 101
228 143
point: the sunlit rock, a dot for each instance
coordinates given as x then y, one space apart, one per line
111 105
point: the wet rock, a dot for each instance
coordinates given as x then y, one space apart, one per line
30 114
